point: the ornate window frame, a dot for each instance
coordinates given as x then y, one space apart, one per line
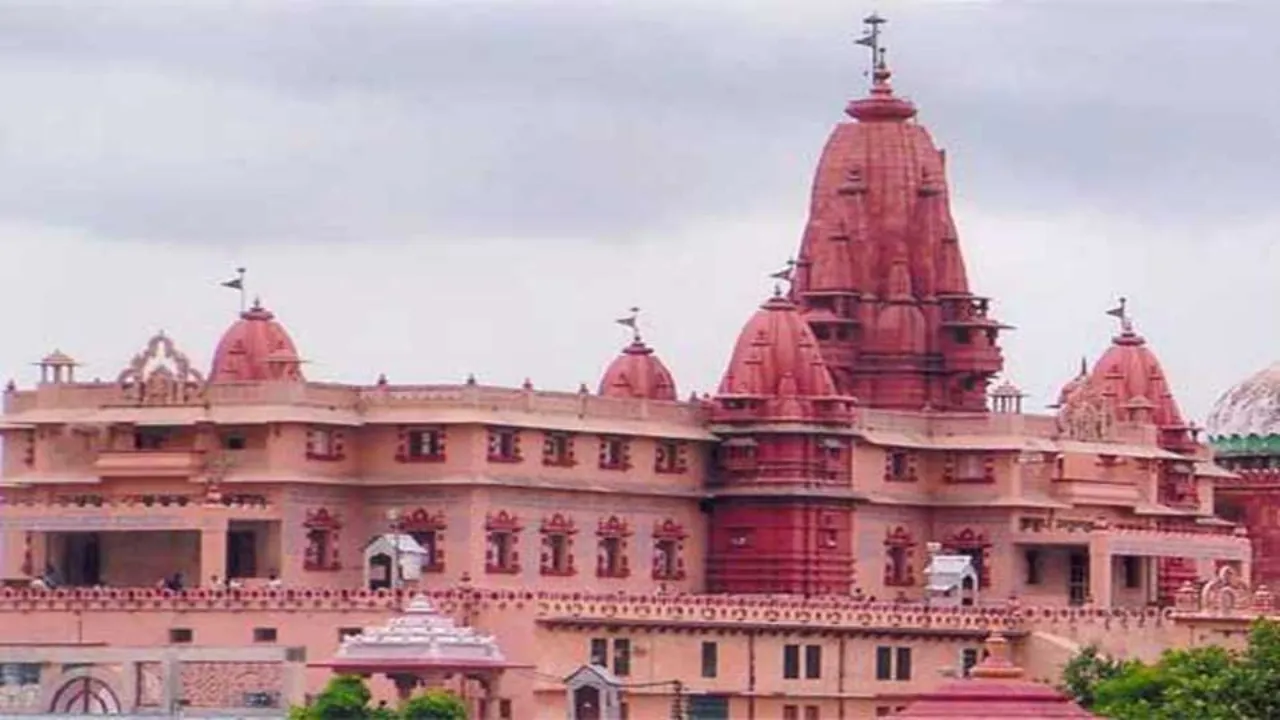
668 539
501 525
557 528
421 523
611 539
321 552
899 544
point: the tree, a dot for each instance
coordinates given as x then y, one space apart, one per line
435 705
1206 683
344 698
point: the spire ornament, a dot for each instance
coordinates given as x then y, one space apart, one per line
871 40
632 321
1120 312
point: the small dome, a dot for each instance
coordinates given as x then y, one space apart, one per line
1130 371
1250 408
638 373
777 355
256 347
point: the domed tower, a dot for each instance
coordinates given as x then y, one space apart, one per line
880 275
779 521
255 348
1244 429
637 372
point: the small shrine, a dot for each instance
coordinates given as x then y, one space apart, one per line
950 580
995 689
391 559
423 648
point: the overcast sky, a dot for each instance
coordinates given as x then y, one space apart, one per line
433 189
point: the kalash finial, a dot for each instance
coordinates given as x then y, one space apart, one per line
632 321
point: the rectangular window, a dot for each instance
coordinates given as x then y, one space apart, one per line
968 658
613 453
557 450
812 662
903 669
324 444
264 635
791 662
811 712
423 444
346 632
558 554
884 663
1132 572
710 659
504 445
790 712
899 469
150 439
668 457
1033 567
622 657
970 467
234 442
600 652
181 636
504 709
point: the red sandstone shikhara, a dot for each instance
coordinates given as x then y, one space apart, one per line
834 534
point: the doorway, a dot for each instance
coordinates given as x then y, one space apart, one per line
82 559
380 572
242 554
586 703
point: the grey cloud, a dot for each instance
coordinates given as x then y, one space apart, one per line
243 122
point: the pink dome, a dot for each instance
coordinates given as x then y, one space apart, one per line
638 373
256 347
777 355
1127 372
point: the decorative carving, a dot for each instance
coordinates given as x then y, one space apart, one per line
899 549
557 546
977 547
611 557
161 375
321 553
1226 593
502 535
668 550
1087 416
428 530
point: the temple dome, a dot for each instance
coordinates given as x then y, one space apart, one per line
1129 377
1251 408
777 355
638 373
256 347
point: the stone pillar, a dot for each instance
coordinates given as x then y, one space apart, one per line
213 551
1101 572
492 701
171 682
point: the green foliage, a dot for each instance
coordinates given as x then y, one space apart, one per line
347 698
1206 683
435 705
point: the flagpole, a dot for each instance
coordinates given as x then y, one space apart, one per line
243 294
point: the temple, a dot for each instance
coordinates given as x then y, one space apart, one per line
859 513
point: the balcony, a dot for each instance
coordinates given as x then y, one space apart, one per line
148 463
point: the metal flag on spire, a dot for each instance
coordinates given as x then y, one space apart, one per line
237 283
786 274
1119 310
632 321
871 39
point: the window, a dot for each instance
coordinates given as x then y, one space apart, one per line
557 546
893 663
422 444
903 669
504 709
811 712
710 659
321 552
898 467
180 636
668 550
621 657
898 570
669 457
427 529
504 445
324 444
234 441
346 632
600 652
1132 571
897 566
968 658
150 439
611 556
790 712
812 662
557 450
791 662
614 454
970 467
502 532
1034 576
264 635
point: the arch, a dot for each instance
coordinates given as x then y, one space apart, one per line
83 691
